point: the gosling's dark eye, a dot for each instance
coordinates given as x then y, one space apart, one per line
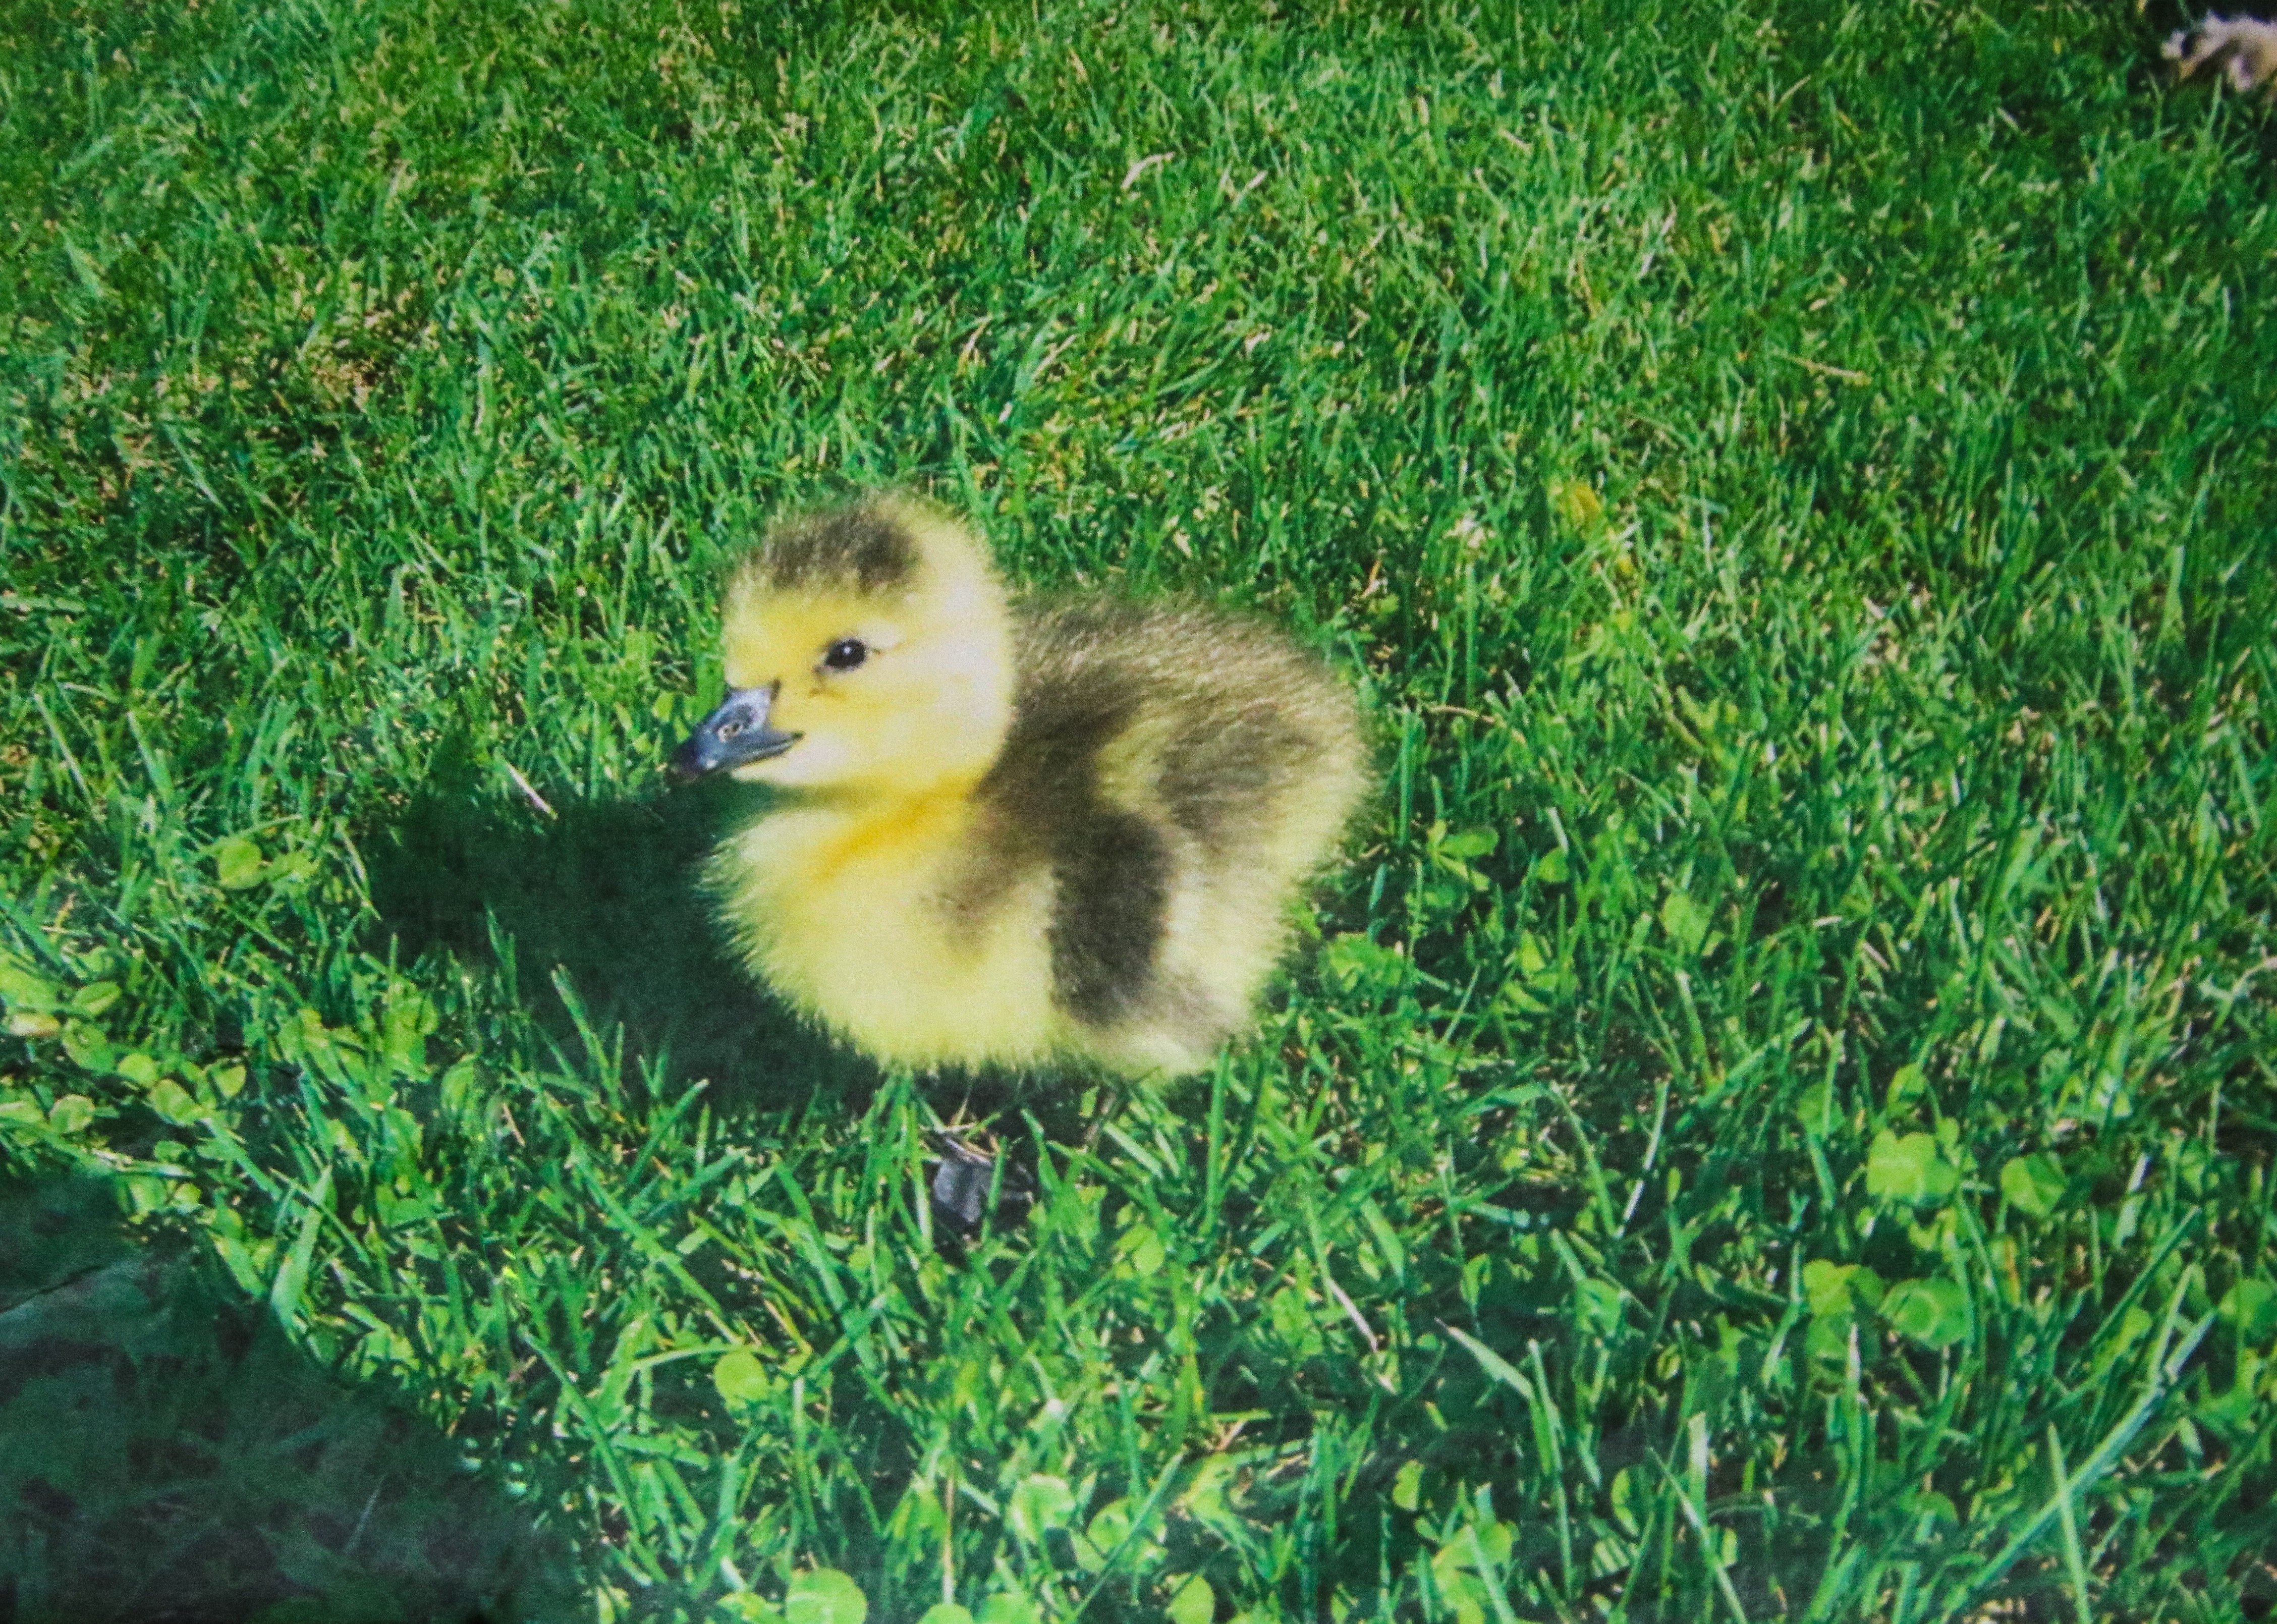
845 654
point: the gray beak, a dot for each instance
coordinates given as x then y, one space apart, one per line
736 733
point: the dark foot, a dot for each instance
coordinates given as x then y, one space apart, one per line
962 1182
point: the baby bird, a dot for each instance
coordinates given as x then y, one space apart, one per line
2245 48
1011 833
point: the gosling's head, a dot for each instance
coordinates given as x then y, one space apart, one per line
867 648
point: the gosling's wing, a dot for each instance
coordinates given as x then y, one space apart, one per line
1152 749
1231 731
1259 758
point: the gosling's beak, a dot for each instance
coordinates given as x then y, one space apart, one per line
733 734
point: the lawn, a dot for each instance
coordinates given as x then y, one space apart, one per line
1770 1118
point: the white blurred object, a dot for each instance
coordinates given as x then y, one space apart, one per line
2245 48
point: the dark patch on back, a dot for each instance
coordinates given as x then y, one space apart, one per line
863 546
1236 716
1111 870
1107 920
1220 772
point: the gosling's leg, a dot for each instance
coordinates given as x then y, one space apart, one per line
960 1182
973 1183
1111 1096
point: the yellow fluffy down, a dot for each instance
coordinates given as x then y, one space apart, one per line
1019 834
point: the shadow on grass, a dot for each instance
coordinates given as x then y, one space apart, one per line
605 898
166 1454
601 897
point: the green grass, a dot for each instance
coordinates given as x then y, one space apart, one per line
1776 1118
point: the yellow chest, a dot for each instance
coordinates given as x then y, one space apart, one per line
865 921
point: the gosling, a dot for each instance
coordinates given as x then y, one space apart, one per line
1011 834
2244 48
